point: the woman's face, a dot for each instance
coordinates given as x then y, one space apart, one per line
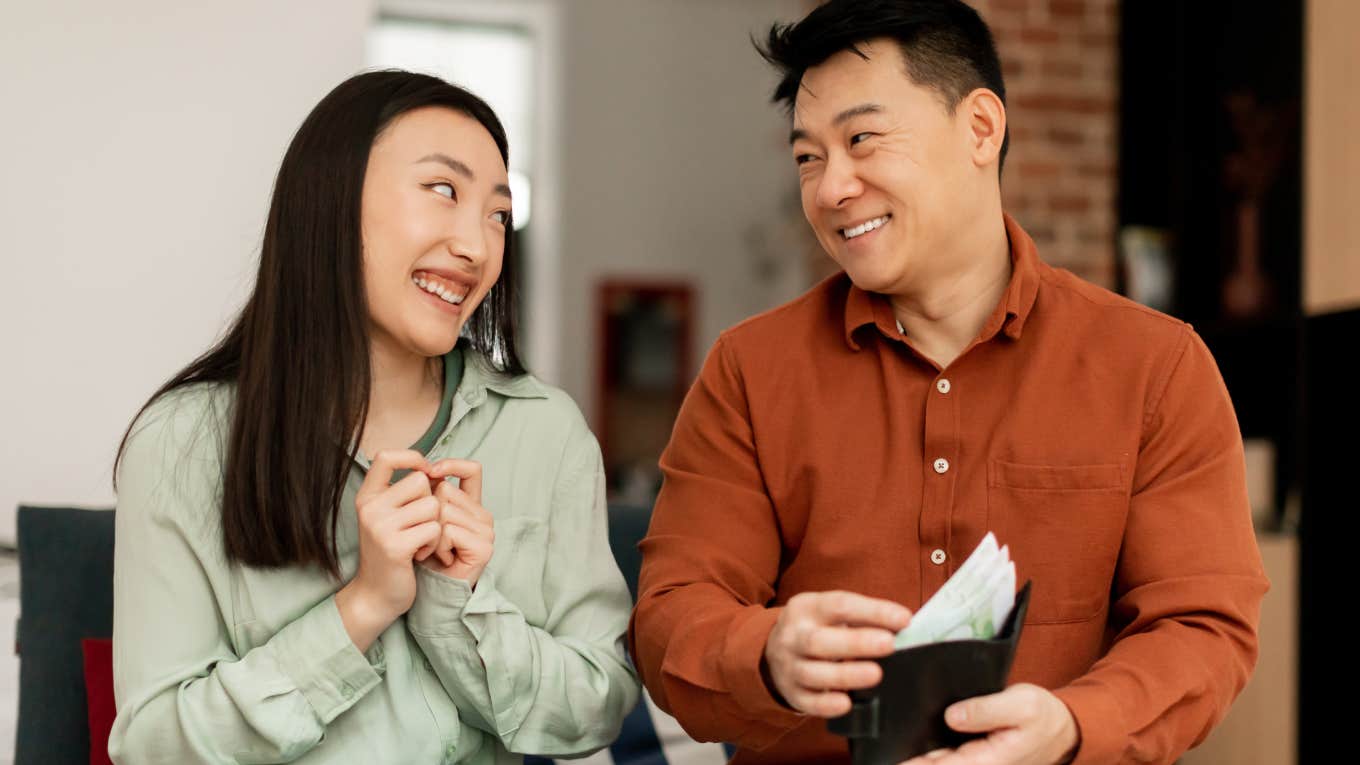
436 204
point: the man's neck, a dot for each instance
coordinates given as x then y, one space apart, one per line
944 316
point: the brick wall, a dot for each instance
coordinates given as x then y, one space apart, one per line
1060 59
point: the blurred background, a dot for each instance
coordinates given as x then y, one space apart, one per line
1196 156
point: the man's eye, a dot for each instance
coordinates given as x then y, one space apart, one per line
443 189
803 158
859 137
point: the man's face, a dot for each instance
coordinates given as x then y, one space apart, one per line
887 174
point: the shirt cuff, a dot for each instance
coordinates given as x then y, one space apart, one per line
440 602
316 652
741 658
1100 723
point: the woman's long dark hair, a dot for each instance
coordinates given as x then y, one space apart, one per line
298 354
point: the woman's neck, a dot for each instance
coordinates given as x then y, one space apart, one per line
404 395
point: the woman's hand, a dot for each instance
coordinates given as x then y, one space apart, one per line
395 522
468 533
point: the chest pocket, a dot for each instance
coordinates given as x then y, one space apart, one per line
518 561
1064 525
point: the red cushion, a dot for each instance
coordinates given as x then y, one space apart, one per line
99 696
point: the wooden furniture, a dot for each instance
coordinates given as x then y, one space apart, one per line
1262 726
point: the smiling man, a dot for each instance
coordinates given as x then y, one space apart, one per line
839 456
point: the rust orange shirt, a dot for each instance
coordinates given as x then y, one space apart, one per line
817 450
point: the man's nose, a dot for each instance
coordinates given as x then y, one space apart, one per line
840 183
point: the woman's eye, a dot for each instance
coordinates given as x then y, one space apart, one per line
443 189
501 216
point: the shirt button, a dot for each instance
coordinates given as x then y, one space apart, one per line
449 753
942 385
347 691
937 557
941 465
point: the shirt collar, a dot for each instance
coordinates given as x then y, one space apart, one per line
479 377
863 308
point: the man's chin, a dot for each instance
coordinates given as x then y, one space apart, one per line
870 281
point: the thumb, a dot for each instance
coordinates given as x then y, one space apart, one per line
985 713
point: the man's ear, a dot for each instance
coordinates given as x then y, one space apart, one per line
984 118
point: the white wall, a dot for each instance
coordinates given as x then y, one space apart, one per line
141 139
674 158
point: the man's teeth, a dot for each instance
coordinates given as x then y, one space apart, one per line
865 227
430 286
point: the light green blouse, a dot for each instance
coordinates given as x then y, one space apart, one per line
217 662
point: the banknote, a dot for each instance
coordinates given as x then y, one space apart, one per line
972 604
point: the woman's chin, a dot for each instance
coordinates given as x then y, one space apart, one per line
433 341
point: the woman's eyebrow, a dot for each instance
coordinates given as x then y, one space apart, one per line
462 169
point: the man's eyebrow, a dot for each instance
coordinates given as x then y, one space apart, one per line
462 169
840 119
856 111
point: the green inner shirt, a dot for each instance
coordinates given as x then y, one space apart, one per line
453 374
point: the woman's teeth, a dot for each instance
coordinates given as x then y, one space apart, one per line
865 227
439 290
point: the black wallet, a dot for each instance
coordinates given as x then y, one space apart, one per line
903 716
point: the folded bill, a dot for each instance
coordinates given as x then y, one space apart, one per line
972 604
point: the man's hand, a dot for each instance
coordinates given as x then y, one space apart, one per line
816 650
1025 725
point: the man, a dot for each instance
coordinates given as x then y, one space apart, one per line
838 457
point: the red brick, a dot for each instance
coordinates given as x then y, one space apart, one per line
1096 170
1069 204
1060 102
1062 67
1099 40
1039 36
1067 8
1037 169
1066 136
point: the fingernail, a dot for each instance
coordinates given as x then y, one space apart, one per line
957 715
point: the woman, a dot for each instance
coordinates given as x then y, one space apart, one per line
278 597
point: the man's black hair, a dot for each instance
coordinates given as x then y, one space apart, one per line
946 45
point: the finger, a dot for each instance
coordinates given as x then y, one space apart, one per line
412 487
932 756
456 516
846 642
985 751
445 547
470 547
418 536
981 714
411 514
821 703
466 502
860 610
468 473
837 675
385 463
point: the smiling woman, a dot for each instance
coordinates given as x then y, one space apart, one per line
293 562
